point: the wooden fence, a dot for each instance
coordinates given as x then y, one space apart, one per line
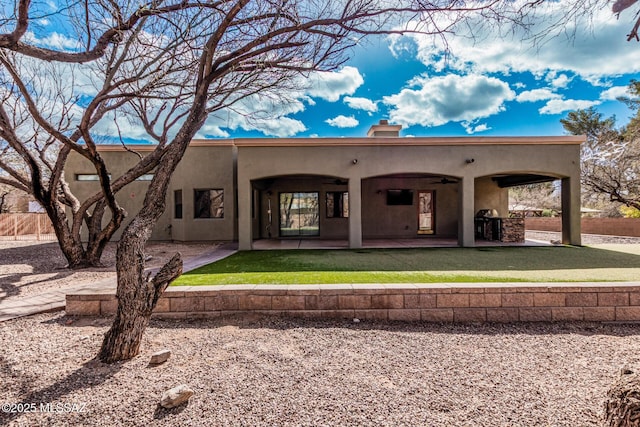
26 226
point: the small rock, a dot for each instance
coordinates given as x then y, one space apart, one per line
625 370
356 320
68 322
176 396
556 242
84 337
160 357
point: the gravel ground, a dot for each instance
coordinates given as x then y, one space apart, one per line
587 239
286 372
31 267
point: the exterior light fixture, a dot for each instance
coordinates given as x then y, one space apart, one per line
354 161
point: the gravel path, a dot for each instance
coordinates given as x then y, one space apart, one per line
285 372
587 239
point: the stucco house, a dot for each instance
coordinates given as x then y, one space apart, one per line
374 187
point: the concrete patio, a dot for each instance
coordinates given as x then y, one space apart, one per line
425 242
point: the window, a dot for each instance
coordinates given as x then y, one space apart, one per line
337 204
208 203
177 204
145 177
88 177
425 212
299 214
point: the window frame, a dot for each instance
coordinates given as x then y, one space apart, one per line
196 210
178 213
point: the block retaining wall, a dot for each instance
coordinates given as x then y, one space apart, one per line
405 302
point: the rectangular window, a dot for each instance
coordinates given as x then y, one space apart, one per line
177 204
88 177
208 203
337 204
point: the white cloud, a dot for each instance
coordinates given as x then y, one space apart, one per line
212 131
573 47
557 106
471 129
264 113
361 104
281 127
54 41
536 95
330 86
343 122
614 93
560 81
439 100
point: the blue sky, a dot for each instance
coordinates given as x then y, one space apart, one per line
488 86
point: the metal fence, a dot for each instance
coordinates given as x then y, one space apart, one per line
26 226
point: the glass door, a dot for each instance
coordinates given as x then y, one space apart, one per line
299 214
425 212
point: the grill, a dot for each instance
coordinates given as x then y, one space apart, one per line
488 225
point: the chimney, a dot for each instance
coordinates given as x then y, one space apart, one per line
383 128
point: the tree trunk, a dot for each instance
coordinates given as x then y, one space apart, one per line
137 297
622 408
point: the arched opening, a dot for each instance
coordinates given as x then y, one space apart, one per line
410 206
500 214
300 206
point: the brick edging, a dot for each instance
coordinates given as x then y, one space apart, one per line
475 302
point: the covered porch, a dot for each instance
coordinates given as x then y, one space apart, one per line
362 191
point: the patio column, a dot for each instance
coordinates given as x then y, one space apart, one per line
245 237
466 207
571 211
355 213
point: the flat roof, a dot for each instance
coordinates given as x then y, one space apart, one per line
411 141
367 141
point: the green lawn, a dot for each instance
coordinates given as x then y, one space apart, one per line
422 265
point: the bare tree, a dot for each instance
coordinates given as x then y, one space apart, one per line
541 196
52 99
168 65
610 158
4 205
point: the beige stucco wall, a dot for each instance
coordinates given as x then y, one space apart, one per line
487 195
130 197
202 167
